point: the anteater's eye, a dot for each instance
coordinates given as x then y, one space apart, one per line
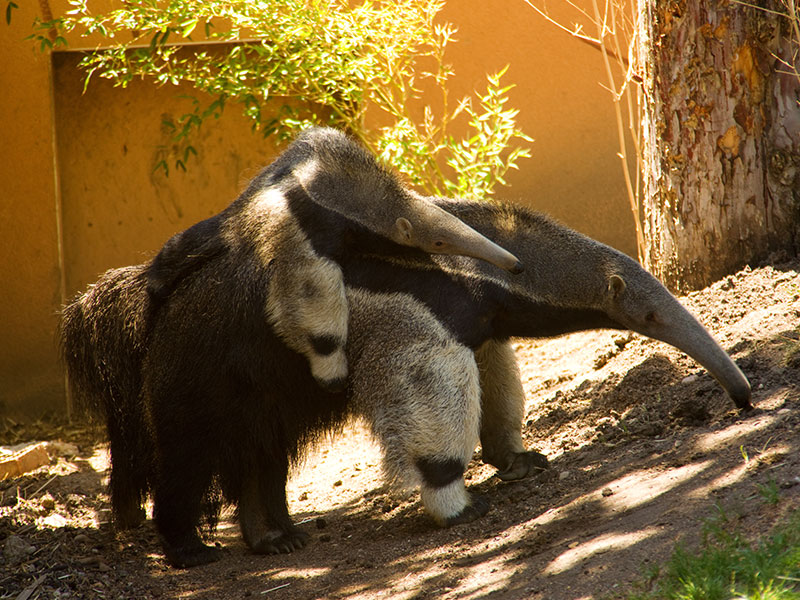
438 243
651 317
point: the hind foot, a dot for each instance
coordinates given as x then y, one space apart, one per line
283 543
477 508
128 516
191 554
524 465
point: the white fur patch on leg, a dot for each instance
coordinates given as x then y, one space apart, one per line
329 368
445 502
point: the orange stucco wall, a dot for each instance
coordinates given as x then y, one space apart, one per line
80 195
116 209
575 173
31 380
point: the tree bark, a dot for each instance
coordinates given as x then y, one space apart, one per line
720 138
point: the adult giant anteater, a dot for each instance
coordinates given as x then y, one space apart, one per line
201 394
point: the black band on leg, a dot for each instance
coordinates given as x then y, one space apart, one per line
439 472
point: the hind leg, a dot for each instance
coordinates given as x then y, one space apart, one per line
128 483
503 401
263 514
184 473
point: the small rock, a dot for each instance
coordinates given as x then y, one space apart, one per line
73 500
48 502
607 492
16 549
689 379
303 497
337 483
602 360
622 340
82 538
56 521
604 424
59 448
563 475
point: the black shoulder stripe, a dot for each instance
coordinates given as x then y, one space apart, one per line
324 228
465 307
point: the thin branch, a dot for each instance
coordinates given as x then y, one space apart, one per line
586 39
640 245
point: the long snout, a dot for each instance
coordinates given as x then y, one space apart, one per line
684 332
497 255
471 243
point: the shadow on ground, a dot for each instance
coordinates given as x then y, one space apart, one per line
642 452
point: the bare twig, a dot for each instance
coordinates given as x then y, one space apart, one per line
28 591
277 587
608 25
45 484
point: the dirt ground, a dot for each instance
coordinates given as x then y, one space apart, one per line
644 446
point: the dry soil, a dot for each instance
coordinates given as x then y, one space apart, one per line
644 447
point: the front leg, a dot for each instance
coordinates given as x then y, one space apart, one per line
503 404
264 517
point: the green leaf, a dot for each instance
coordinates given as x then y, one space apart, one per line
10 6
188 27
162 165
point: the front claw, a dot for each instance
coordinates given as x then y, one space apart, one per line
524 465
283 544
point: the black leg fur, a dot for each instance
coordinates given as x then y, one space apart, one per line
264 515
131 463
439 472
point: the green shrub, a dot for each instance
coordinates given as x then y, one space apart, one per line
347 65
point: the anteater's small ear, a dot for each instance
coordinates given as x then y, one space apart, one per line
404 228
616 285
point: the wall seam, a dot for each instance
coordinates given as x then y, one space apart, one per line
58 205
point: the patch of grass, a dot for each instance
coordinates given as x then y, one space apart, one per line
769 492
791 355
727 566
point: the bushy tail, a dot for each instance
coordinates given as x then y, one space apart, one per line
104 335
103 340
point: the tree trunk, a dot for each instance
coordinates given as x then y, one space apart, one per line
720 138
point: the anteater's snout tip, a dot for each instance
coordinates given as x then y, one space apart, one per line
742 397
